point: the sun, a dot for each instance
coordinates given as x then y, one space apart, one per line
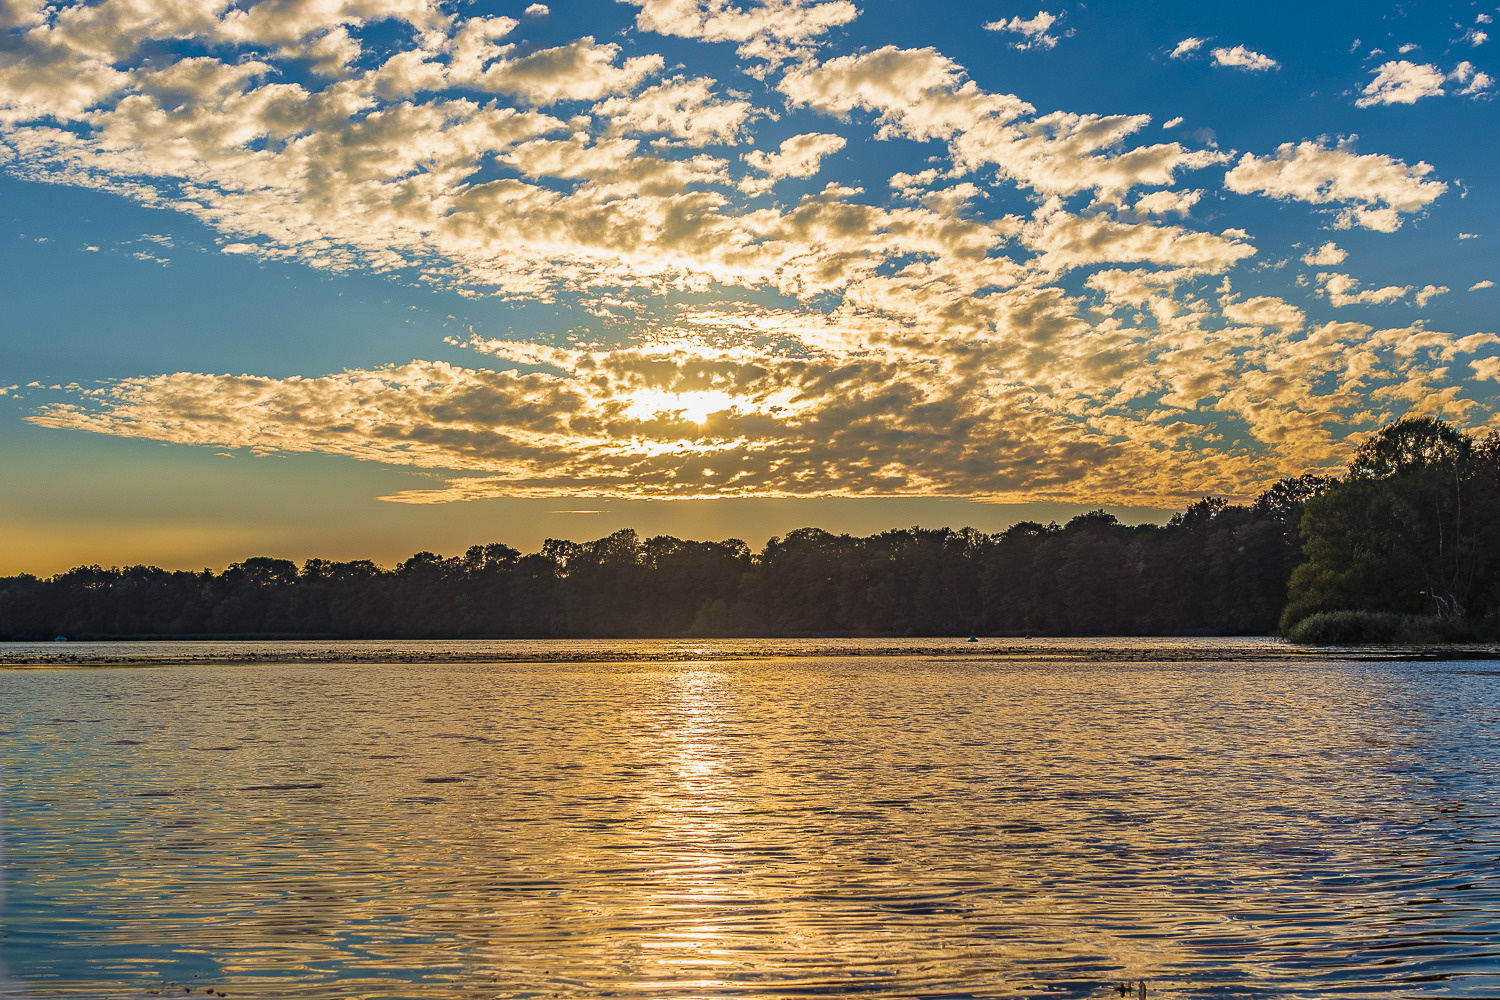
694 405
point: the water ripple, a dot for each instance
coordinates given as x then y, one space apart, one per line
882 826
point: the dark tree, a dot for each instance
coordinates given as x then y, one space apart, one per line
1410 528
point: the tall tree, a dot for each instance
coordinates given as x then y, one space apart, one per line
1406 530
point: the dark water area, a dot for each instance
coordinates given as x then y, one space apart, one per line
921 825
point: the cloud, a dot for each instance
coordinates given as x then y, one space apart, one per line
1327 255
1265 311
1014 317
1068 241
282 21
1342 291
625 424
21 14
921 94
581 70
1032 411
1165 202
1172 122
1427 293
472 57
774 30
1479 285
1034 32
1474 81
1187 47
1403 82
683 108
537 11
1240 57
1375 188
918 93
798 156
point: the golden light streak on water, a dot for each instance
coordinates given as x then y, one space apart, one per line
877 825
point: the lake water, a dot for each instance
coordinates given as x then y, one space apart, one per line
920 825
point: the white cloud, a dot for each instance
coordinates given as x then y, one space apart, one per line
1164 202
1479 285
799 156
770 29
537 11
1427 293
1343 290
1034 32
473 58
864 414
637 423
1265 311
1068 241
1376 189
1187 47
1327 255
1402 82
921 94
21 14
581 70
1474 81
919 341
683 108
1240 57
284 21
1172 122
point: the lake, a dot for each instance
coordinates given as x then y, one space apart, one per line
1218 818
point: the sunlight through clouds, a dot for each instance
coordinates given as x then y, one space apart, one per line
828 269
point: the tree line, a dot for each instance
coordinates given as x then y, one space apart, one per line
1413 527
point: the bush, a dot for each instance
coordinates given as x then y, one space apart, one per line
1347 628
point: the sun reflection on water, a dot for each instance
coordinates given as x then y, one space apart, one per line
777 828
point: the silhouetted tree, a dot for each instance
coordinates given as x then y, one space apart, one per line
1415 525
1409 529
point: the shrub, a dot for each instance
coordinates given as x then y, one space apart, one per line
1347 628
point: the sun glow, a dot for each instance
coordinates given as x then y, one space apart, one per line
694 405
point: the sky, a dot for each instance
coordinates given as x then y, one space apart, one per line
357 278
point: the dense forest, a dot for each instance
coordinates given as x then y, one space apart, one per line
1412 528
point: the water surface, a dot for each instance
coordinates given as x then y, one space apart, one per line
895 826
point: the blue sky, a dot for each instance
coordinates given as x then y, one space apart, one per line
348 278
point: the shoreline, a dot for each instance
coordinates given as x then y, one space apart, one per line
1074 651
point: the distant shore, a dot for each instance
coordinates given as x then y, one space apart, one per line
1060 650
